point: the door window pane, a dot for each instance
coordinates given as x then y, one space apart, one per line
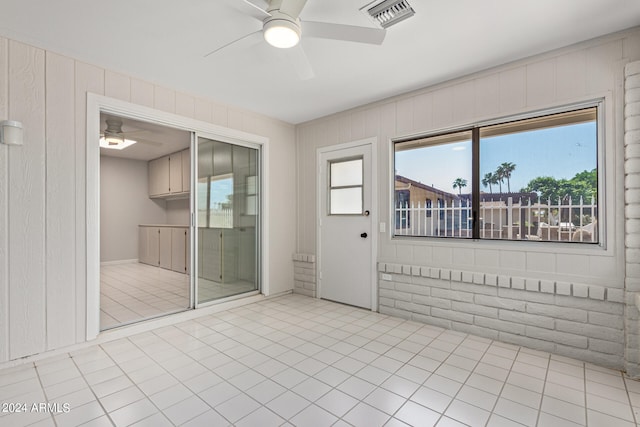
346 173
346 201
345 187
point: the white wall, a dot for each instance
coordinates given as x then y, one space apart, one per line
124 204
43 183
178 212
529 273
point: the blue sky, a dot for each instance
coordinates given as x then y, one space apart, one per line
560 152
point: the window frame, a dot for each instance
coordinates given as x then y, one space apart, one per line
475 129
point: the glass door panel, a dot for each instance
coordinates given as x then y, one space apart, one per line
227 220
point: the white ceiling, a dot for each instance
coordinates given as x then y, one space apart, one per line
164 41
152 140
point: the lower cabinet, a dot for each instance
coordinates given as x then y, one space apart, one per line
164 246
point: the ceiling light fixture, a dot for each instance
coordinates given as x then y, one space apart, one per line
281 31
115 142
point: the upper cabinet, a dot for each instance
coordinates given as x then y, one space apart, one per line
169 175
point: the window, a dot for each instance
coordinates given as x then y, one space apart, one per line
528 179
215 198
345 187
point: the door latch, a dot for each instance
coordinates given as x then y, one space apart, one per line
363 235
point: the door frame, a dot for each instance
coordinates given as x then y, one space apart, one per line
373 142
97 104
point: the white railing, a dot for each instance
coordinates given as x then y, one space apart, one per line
523 219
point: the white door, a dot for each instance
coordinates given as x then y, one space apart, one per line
346 240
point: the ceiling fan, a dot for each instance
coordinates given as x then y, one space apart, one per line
113 137
282 28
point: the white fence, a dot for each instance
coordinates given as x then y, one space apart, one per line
523 219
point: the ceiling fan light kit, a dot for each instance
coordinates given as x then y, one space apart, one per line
114 137
281 31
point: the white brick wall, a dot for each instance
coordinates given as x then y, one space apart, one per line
304 274
632 209
571 319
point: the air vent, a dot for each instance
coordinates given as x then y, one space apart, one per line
390 12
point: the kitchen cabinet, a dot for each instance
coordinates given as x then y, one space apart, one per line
179 249
169 176
164 246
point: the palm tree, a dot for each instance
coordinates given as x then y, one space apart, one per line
489 179
505 170
459 183
499 177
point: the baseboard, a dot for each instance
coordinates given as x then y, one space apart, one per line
121 261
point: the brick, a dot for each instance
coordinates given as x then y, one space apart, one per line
445 274
413 289
432 302
452 315
528 342
406 270
606 347
503 303
415 270
604 319
580 290
467 277
527 319
597 358
557 337
547 286
532 285
393 294
452 295
396 268
499 325
526 296
491 279
590 331
563 288
386 301
456 275
632 109
596 292
473 288
425 272
475 330
481 310
442 323
433 283
389 311
382 267
435 273
631 137
615 295
630 69
413 308
383 284
504 281
478 278
632 95
517 283
590 304
558 312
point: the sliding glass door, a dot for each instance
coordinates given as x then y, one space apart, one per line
227 219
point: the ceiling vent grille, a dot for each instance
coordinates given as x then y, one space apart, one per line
390 12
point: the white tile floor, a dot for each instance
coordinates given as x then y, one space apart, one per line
133 291
295 360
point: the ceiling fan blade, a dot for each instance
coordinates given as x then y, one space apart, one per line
245 41
300 62
292 7
248 8
350 33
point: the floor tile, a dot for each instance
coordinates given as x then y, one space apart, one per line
417 415
364 414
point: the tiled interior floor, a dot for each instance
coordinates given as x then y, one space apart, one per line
133 291
296 360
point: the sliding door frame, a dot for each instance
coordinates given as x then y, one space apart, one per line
97 104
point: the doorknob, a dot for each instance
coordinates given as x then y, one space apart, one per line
363 235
